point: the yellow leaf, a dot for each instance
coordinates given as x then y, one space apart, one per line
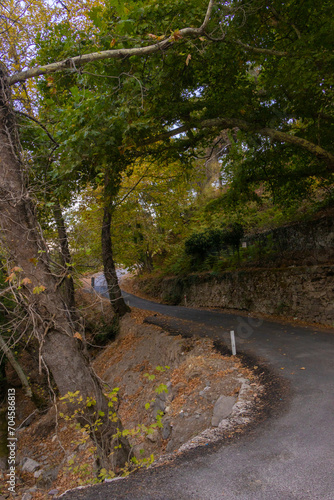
113 42
188 59
77 336
303 368
25 281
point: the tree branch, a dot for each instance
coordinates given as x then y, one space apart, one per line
275 135
73 63
258 50
6 290
40 124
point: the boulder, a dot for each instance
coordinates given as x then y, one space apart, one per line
29 465
222 409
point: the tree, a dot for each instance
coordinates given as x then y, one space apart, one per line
223 82
239 70
25 246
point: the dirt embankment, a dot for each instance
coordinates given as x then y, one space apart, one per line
175 393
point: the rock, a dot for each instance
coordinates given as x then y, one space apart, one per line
29 465
159 403
170 394
138 451
222 409
153 436
166 429
32 489
37 473
53 492
47 477
26 496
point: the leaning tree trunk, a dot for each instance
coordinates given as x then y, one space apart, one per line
50 315
115 294
17 367
68 282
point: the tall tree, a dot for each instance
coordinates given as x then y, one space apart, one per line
22 238
240 70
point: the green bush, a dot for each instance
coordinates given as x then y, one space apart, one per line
213 241
204 243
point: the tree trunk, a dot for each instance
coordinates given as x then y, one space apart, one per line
115 294
17 367
50 315
65 257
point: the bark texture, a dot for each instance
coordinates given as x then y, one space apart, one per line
68 283
50 315
115 294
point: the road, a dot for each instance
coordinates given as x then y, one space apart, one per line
290 456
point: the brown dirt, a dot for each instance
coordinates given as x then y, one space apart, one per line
194 372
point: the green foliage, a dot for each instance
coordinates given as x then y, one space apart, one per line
212 241
201 244
107 332
89 423
102 116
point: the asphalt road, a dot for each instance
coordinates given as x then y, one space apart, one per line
290 456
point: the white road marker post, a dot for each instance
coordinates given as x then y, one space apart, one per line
234 350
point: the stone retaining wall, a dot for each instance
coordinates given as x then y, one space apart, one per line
303 292
314 235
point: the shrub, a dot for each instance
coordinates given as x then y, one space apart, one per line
213 241
204 243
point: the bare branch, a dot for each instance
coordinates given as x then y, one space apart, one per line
131 190
77 61
6 290
63 5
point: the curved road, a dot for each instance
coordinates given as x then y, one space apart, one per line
291 456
